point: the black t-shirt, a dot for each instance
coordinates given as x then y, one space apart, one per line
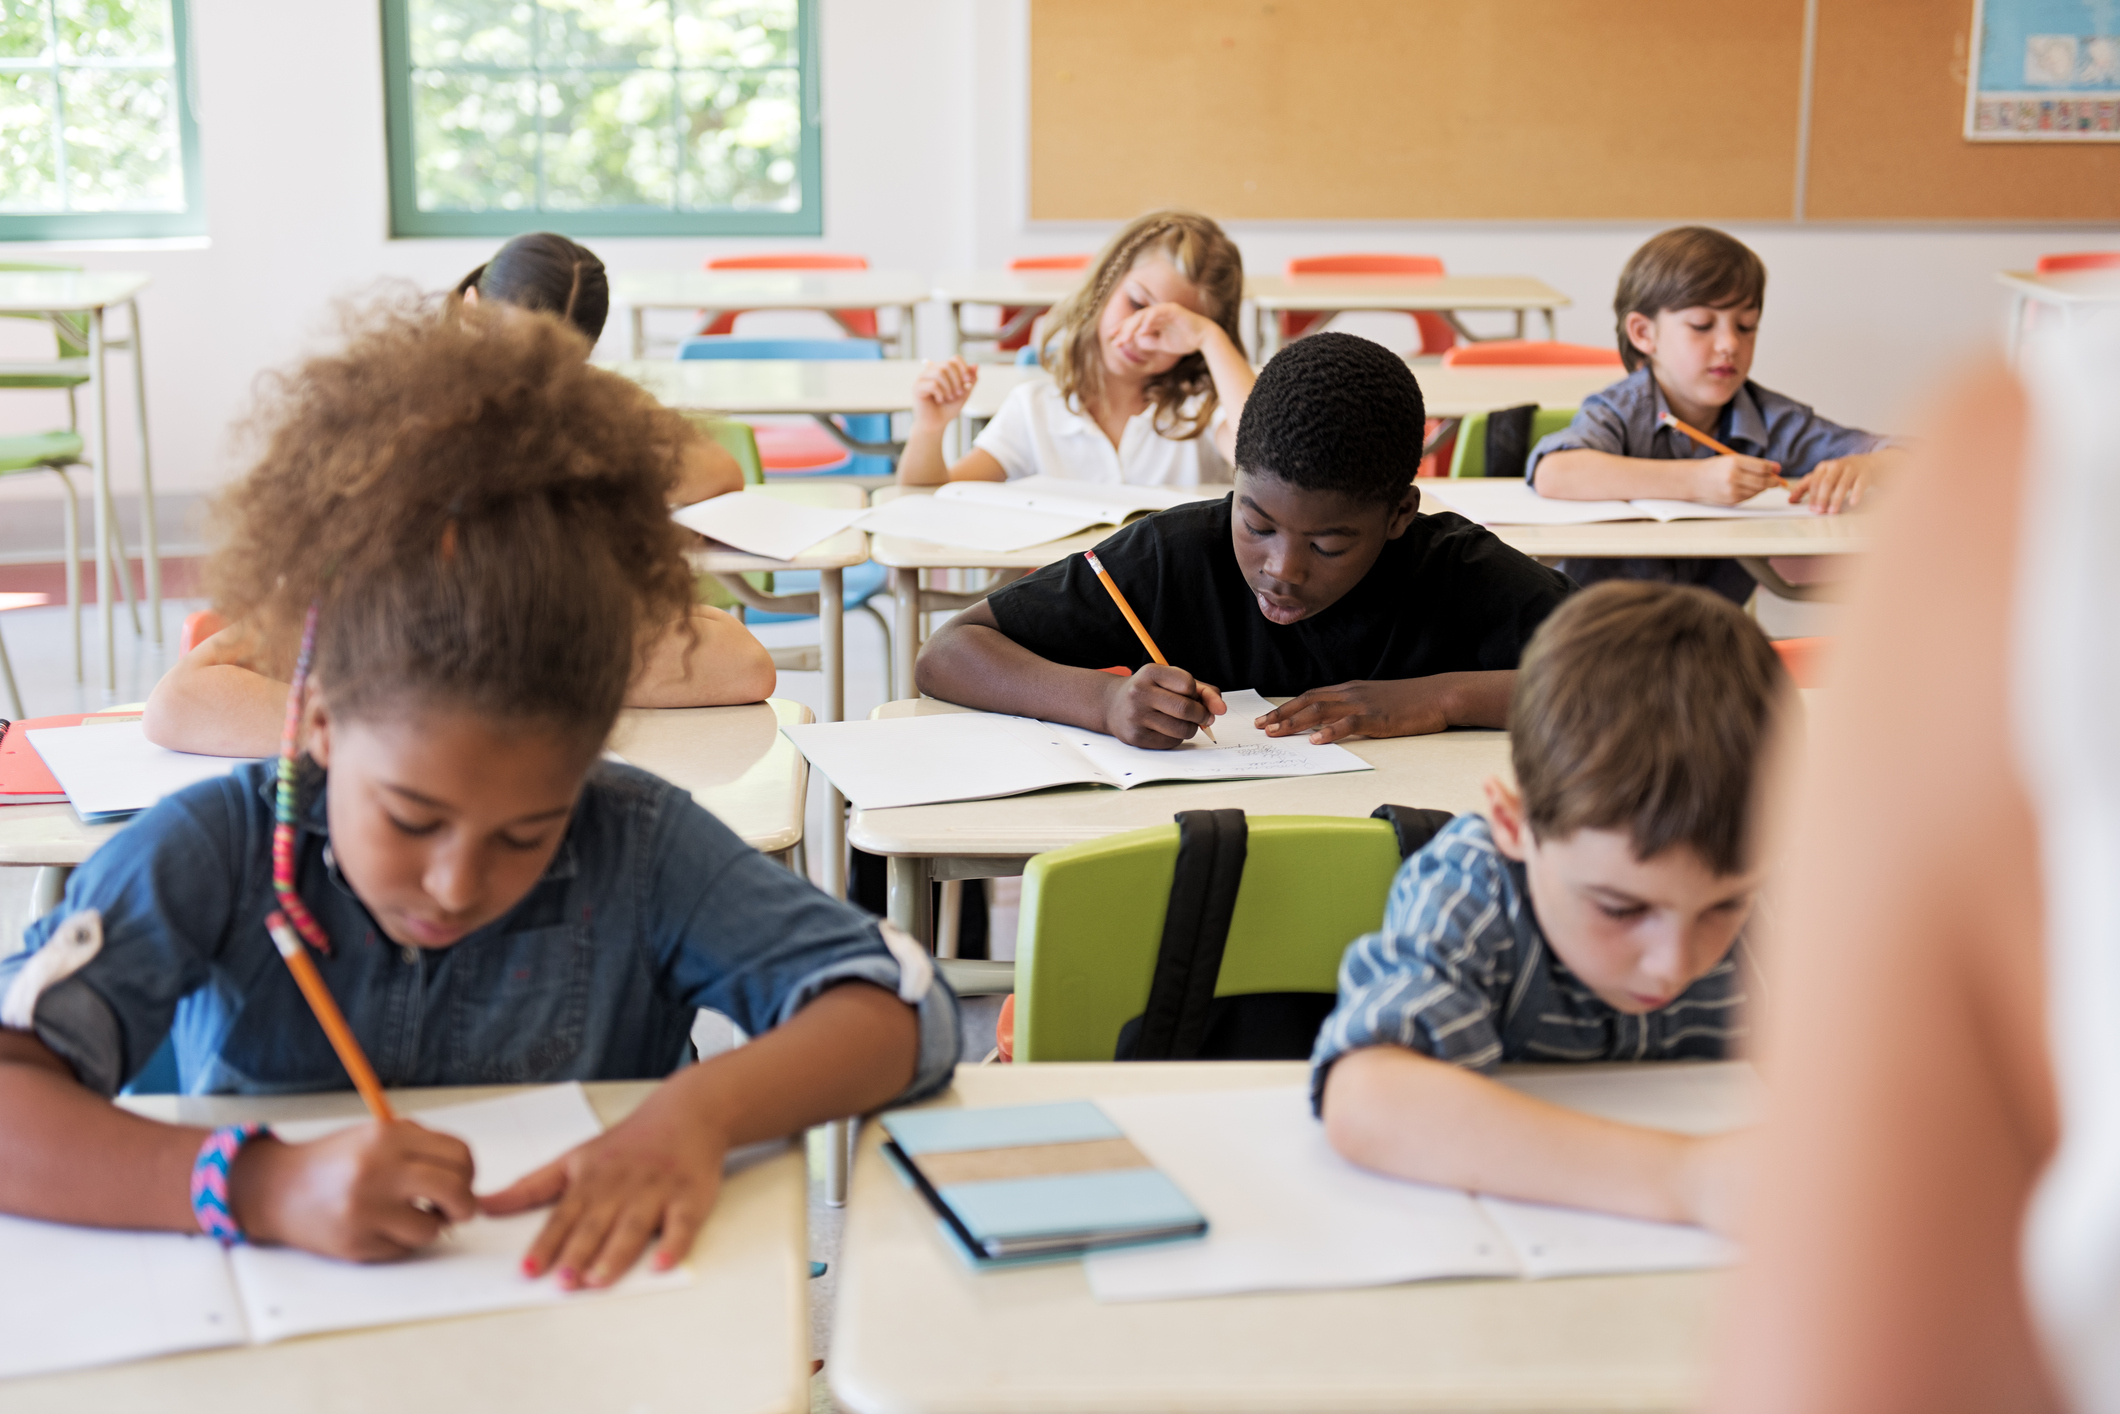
1445 597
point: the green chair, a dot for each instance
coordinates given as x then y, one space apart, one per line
1092 923
1470 457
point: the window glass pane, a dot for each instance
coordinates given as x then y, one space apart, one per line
113 29
29 171
24 30
744 138
582 34
489 32
122 150
608 141
475 140
735 33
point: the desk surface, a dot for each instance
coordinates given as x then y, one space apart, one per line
1443 772
736 1340
1028 289
768 289
917 1331
1434 292
733 759
785 386
1849 533
66 291
2064 286
847 548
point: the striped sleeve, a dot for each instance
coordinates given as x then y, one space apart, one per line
1434 978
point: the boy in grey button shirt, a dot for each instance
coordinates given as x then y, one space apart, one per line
1688 312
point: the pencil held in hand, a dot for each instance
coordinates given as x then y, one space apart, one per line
1699 436
1140 631
330 1017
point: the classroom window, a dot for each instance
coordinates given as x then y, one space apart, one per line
602 117
98 135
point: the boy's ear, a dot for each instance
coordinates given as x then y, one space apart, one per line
1403 513
1505 817
1641 332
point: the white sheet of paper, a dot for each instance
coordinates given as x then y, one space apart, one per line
74 1296
1770 504
1103 502
1284 1211
764 525
1570 1242
474 1269
1240 751
1506 500
882 764
998 529
114 769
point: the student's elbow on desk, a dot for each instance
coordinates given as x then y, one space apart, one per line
718 664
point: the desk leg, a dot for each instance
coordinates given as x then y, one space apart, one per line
637 332
907 335
909 896
2015 338
106 516
839 1137
831 642
151 545
905 631
956 328
46 890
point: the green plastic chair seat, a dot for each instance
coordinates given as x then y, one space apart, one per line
1092 920
1470 458
35 450
62 373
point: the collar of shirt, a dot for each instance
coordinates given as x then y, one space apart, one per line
1740 424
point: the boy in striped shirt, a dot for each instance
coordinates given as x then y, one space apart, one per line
1594 913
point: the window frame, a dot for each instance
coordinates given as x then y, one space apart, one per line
136 225
407 221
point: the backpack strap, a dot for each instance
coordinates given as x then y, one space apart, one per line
1509 440
1414 827
1203 899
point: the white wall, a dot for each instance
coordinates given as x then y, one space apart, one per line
924 169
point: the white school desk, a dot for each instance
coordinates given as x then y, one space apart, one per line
733 760
735 1340
979 839
711 291
916 1332
1440 294
817 388
91 292
1031 291
2069 291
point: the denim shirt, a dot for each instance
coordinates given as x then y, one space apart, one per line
650 910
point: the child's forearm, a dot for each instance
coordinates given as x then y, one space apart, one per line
73 1157
215 709
1401 1113
705 470
724 664
1233 377
1580 474
973 663
921 463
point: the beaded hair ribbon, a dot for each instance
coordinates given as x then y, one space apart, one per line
292 909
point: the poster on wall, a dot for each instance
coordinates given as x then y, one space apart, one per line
2044 71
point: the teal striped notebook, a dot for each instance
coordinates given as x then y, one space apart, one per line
1025 1183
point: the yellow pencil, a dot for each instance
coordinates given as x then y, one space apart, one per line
1699 436
330 1017
1127 609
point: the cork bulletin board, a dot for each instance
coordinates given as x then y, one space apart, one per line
1553 110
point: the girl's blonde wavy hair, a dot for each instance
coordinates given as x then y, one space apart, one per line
1204 255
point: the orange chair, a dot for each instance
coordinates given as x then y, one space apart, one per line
199 625
861 323
1010 342
1531 351
1805 658
1436 331
2079 260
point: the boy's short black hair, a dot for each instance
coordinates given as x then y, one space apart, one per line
1334 412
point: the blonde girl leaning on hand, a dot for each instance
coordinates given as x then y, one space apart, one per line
1149 375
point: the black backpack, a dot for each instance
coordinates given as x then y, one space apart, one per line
1184 1019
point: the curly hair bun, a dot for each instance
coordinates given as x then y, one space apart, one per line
1334 412
479 513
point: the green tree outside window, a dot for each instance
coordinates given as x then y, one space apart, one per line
98 137
601 117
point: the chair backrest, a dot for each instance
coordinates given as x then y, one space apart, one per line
2079 260
1805 659
1515 352
1092 920
71 330
733 346
1470 456
1436 333
1027 356
861 323
1050 262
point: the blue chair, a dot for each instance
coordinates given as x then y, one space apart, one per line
1027 356
798 449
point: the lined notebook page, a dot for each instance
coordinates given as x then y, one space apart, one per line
77 1296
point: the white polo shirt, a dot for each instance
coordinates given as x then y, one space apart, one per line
1036 432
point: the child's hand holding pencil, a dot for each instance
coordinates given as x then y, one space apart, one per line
1160 706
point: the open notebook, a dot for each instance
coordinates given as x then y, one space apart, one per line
82 1296
1005 516
1504 500
1287 1213
884 763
